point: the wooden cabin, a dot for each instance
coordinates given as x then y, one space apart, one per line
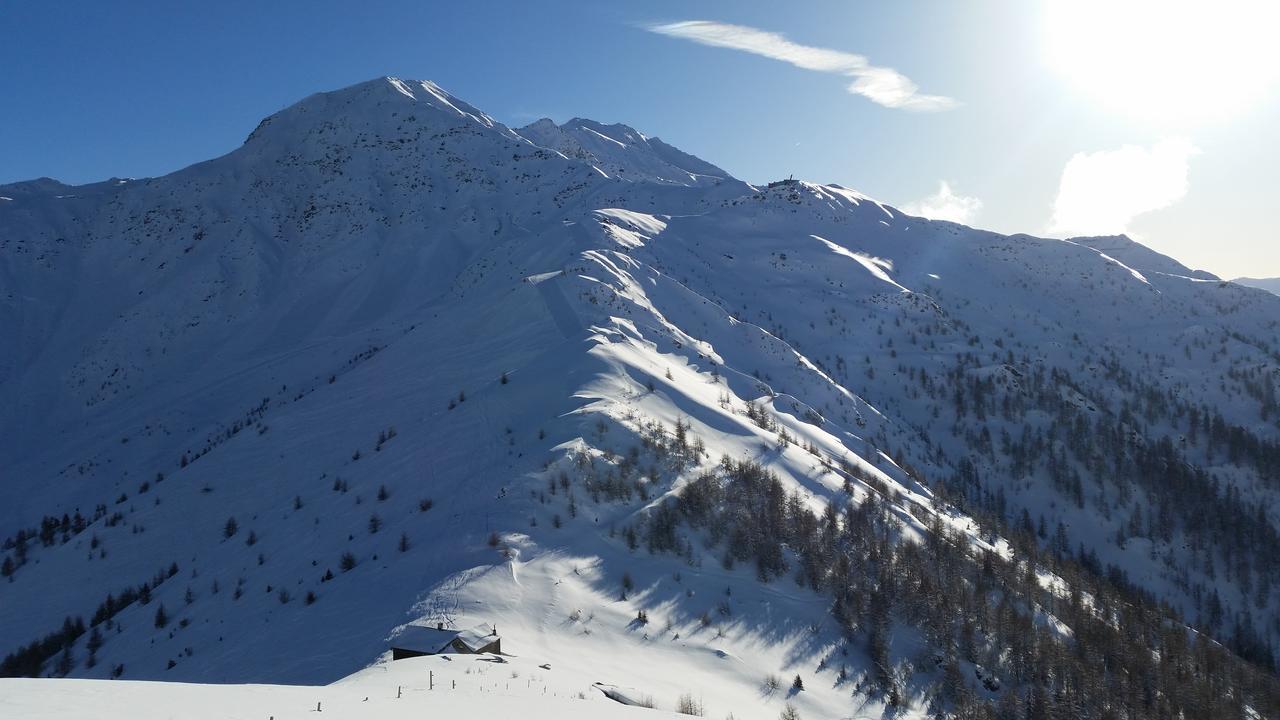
418 640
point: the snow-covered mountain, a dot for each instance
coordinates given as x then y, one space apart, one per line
392 360
627 154
1271 285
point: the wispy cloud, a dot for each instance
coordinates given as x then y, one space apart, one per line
946 205
1101 193
881 85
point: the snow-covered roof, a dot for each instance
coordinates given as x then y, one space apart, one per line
426 639
478 636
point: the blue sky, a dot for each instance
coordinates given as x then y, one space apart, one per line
1057 123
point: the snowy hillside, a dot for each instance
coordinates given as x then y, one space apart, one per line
392 361
414 688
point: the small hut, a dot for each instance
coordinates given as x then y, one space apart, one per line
417 640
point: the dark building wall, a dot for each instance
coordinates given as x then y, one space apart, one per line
401 653
494 647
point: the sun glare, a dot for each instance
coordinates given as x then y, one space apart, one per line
1171 62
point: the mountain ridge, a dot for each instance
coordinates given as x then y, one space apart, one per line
1271 285
482 369
615 146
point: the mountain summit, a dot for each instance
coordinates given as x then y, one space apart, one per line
393 362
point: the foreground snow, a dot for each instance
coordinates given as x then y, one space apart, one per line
439 686
464 686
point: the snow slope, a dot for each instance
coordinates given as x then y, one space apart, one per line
453 687
378 334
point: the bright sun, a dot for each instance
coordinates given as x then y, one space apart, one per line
1170 62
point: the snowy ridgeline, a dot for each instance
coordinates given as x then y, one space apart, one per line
393 361
1271 285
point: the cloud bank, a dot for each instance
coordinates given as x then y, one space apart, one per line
946 205
1101 193
882 85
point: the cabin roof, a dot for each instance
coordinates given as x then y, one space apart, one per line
427 639
478 636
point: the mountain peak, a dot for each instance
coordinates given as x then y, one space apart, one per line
381 99
1140 257
381 107
617 132
622 151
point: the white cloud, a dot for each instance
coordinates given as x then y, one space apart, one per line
881 85
1102 192
946 205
